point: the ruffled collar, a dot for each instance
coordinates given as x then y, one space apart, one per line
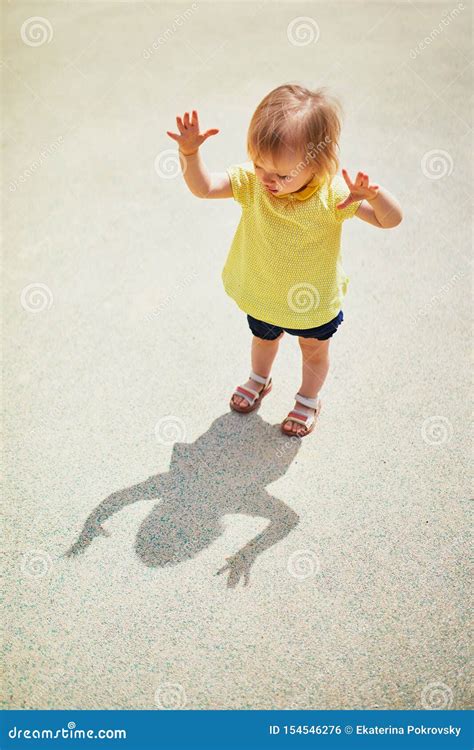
313 185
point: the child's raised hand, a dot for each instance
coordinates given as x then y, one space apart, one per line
360 189
190 139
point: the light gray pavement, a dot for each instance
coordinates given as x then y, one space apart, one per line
118 372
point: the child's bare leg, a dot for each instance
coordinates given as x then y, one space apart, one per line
263 354
315 355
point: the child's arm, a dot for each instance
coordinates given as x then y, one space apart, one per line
197 178
378 206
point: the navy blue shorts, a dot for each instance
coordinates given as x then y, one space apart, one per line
270 332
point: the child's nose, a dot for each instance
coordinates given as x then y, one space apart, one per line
269 178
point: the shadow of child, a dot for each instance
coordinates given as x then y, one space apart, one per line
225 471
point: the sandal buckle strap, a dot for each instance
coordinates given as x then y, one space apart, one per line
307 422
258 378
311 403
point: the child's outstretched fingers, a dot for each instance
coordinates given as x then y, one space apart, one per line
195 123
347 179
360 189
351 187
189 139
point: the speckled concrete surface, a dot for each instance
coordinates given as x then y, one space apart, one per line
128 483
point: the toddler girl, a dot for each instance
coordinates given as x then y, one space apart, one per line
284 265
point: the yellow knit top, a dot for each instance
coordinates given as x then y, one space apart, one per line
284 265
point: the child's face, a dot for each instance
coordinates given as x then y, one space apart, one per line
287 176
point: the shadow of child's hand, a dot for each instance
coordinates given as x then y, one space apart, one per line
238 565
89 533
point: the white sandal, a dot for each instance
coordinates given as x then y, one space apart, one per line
308 421
252 396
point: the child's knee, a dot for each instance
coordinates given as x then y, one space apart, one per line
315 347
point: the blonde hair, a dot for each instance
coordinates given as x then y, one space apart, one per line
292 119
